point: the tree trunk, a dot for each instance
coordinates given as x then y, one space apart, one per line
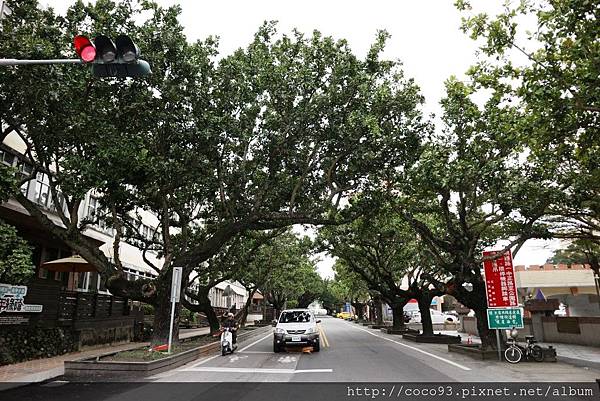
359 307
378 312
476 300
162 316
424 301
244 315
488 338
205 306
398 315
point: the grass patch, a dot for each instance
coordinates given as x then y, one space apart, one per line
143 355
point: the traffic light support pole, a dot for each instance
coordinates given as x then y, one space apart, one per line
14 61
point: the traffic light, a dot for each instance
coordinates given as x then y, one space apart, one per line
112 59
84 48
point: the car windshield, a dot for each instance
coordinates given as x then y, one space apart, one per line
295 317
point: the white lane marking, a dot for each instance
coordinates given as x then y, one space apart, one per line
256 342
204 361
286 359
218 355
256 352
417 349
256 370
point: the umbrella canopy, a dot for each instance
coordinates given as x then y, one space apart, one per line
72 264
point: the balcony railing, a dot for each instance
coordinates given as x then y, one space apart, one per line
76 306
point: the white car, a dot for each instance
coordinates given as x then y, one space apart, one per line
296 327
437 317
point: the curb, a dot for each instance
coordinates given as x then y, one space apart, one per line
581 363
94 369
48 375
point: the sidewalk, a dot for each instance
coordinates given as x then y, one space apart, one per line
39 370
573 354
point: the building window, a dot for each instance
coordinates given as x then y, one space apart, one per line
82 281
7 158
42 190
93 205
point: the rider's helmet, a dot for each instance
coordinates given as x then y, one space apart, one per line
230 314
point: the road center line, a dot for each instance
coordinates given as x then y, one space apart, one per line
416 349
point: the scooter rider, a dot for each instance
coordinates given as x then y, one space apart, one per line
231 323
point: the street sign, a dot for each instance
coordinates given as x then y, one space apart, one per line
175 295
505 318
176 284
12 299
500 286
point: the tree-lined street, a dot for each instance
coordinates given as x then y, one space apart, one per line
355 354
158 182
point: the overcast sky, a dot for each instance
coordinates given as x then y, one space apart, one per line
425 37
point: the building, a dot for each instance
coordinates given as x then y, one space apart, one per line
77 307
574 286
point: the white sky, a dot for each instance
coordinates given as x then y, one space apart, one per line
425 37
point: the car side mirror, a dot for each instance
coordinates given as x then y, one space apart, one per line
319 321
274 323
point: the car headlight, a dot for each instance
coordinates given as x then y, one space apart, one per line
311 330
279 331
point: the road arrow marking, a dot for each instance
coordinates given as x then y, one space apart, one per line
286 359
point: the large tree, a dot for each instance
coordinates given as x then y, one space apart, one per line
471 189
542 57
349 286
385 252
273 135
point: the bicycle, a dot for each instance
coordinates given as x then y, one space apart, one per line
514 352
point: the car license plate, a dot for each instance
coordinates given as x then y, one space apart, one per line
296 338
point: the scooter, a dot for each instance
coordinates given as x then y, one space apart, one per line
227 346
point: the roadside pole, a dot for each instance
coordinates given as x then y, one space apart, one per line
498 343
175 295
13 61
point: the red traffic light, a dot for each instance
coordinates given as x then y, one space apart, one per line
84 48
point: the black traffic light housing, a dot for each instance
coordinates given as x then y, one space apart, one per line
115 59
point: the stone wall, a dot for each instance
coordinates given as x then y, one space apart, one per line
582 331
24 343
588 331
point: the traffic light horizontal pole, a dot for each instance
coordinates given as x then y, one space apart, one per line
14 61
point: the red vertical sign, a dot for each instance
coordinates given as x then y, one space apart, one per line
501 290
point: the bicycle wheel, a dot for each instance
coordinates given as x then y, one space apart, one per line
513 355
537 353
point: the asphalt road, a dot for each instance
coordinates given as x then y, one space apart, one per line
352 353
349 354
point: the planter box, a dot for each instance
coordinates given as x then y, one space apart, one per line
473 351
391 330
434 339
94 368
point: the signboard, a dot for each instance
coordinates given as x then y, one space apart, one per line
176 284
14 320
505 318
12 300
500 287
